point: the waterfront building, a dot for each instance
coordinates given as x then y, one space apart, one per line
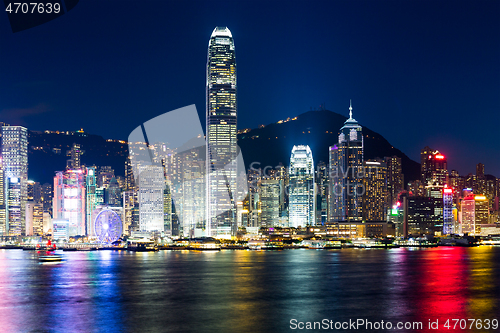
15 172
395 179
474 211
346 174
34 218
91 200
69 200
47 223
322 193
448 225
375 190
302 197
191 201
129 201
167 209
269 202
2 198
421 216
150 197
221 134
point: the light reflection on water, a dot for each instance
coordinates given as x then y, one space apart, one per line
244 291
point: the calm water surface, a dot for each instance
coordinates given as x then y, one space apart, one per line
245 291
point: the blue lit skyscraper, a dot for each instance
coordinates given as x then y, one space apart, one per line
301 207
221 134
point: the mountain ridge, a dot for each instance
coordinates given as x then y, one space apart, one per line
269 146
273 143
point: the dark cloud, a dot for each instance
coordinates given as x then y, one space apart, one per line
17 116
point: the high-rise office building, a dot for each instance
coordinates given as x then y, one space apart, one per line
34 191
34 218
2 198
69 200
375 190
346 173
47 196
433 167
193 211
448 225
113 193
420 216
474 212
221 134
15 170
106 173
74 161
91 200
129 201
167 209
150 197
395 179
322 193
269 190
480 170
302 196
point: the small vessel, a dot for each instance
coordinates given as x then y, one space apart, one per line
204 244
85 248
50 258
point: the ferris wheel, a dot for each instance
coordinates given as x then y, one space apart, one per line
108 226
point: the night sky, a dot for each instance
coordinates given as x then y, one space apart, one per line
418 72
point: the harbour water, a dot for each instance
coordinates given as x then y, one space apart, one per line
247 291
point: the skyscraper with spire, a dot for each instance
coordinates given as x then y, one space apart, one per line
346 173
221 134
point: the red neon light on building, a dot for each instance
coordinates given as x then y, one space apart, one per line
448 190
439 157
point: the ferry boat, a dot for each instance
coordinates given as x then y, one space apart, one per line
50 258
314 244
204 244
141 245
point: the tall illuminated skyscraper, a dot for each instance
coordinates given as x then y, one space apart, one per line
221 134
346 176
2 199
302 197
15 167
91 201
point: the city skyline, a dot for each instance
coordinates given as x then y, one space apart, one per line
165 174
131 202
414 76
